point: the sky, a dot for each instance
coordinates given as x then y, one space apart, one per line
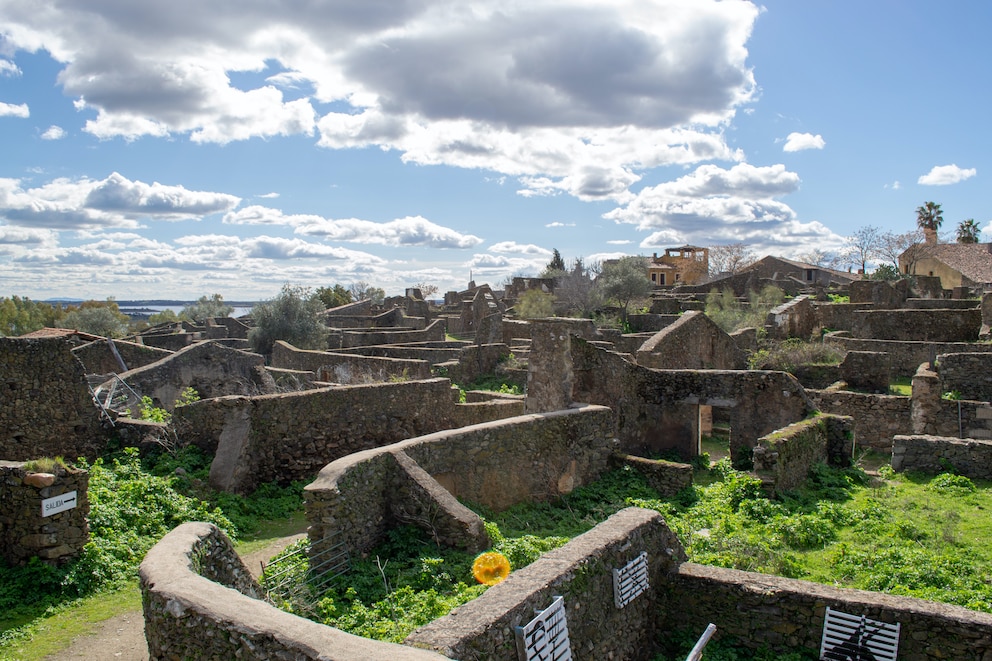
170 150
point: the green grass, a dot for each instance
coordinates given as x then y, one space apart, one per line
901 386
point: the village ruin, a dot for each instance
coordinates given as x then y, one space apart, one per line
375 426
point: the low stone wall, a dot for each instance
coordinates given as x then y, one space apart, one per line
905 357
666 477
347 368
866 370
582 573
291 436
432 352
474 413
784 458
794 318
210 368
877 418
787 614
478 360
200 602
919 325
46 408
970 374
357 338
170 341
933 415
99 357
652 323
935 454
25 530
496 464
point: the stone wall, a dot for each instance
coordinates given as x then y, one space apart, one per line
666 477
882 295
357 338
200 602
933 415
787 614
918 325
291 436
432 352
838 316
794 318
46 408
25 531
172 341
652 323
496 464
692 342
99 358
877 418
210 368
935 454
866 370
658 410
905 356
970 374
784 458
582 573
347 368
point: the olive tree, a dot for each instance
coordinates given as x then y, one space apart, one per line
206 307
293 316
624 280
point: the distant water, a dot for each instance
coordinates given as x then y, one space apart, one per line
144 311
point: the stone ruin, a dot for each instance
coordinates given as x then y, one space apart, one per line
657 388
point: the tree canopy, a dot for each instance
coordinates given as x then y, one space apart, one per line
624 280
333 297
205 308
929 218
293 316
969 231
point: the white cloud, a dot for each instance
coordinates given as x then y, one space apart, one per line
802 141
409 231
11 110
560 224
943 175
619 242
113 202
895 185
8 68
518 248
566 96
269 196
53 133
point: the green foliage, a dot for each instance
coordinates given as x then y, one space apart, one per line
730 314
293 316
206 307
22 315
333 297
98 318
949 484
929 216
839 298
163 317
624 281
555 266
535 304
45 465
885 272
148 411
492 383
361 291
789 354
676 645
969 231
952 395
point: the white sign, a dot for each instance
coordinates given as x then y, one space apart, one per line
545 638
631 580
56 504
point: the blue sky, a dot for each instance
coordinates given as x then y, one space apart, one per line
172 150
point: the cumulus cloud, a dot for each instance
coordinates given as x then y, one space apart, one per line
714 205
11 110
268 196
560 224
8 68
53 133
567 96
943 175
113 202
802 141
519 248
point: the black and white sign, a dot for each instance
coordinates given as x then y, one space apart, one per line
56 504
630 580
545 638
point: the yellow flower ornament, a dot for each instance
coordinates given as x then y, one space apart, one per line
491 568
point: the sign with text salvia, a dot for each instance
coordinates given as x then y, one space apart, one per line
545 638
630 580
56 504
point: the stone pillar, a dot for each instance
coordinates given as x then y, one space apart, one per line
985 333
549 371
925 403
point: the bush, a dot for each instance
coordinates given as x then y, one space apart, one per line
293 316
789 354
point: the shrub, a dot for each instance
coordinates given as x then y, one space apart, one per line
293 316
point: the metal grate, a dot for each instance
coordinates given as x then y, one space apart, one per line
285 574
115 395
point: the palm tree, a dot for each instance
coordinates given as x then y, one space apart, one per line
968 231
929 218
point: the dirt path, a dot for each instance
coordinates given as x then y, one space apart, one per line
122 637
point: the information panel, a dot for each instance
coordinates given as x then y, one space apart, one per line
545 638
630 580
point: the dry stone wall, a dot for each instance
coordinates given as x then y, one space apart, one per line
970 374
99 357
200 602
582 573
918 325
347 368
291 436
905 356
26 529
935 454
877 418
787 614
784 458
794 318
666 477
692 342
46 408
358 338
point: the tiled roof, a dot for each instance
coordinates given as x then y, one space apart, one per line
62 332
972 260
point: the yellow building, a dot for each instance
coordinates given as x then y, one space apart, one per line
688 264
